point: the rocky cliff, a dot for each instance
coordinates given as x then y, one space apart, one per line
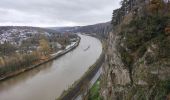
137 62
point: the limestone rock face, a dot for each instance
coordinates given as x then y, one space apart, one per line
137 60
145 82
115 76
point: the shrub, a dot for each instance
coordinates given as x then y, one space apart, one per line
141 51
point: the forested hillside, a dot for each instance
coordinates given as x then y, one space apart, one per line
137 63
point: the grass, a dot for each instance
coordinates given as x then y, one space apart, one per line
94 92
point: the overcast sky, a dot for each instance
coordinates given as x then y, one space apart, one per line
56 12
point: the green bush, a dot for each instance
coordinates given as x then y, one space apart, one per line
94 92
161 90
125 56
164 48
141 30
149 59
141 51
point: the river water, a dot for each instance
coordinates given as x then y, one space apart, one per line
48 81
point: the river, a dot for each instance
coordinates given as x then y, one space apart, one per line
48 81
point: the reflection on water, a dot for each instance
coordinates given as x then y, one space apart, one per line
49 80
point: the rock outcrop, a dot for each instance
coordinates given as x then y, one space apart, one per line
137 62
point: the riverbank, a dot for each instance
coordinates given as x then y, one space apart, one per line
52 57
82 83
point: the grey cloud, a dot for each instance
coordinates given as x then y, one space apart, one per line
56 12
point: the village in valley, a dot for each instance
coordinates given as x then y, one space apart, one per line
22 46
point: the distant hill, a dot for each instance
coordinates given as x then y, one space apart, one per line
102 29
